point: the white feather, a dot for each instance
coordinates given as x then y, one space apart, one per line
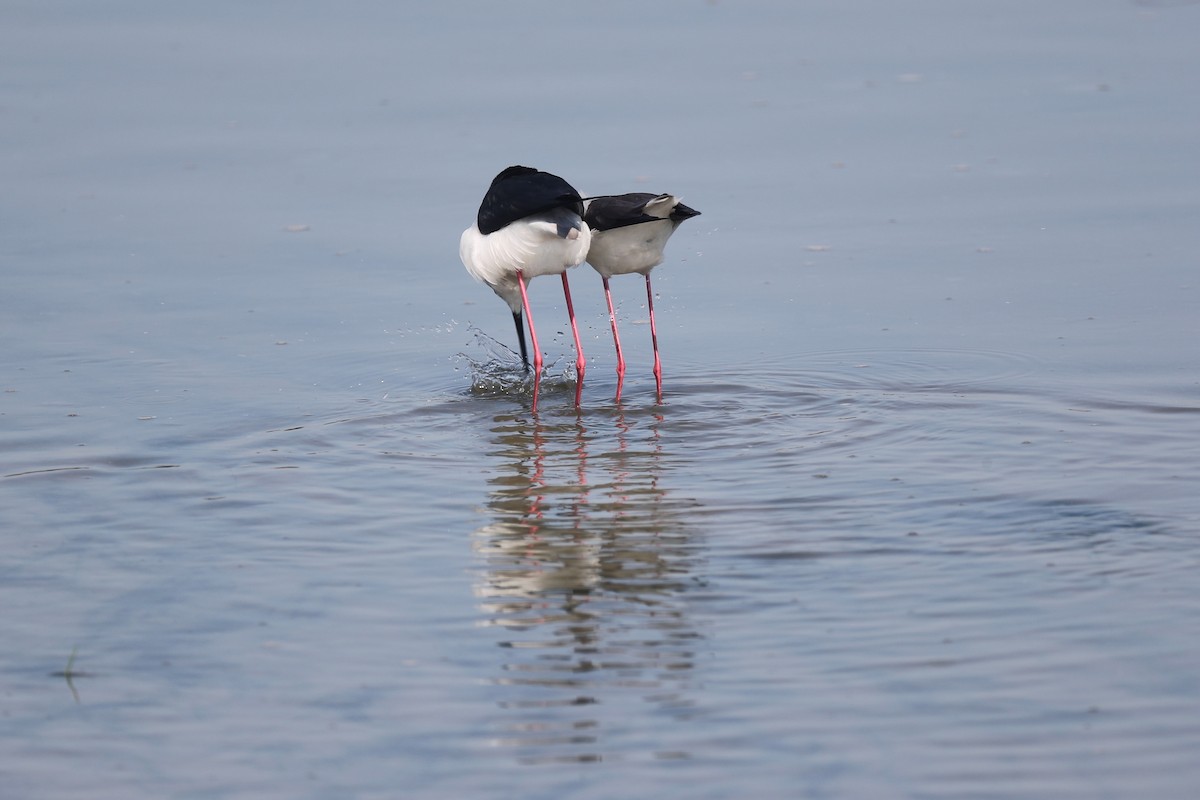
532 245
635 248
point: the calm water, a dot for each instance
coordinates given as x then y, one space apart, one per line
918 517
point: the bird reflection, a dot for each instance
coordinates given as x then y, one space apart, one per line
587 561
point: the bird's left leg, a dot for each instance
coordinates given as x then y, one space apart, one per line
537 351
612 318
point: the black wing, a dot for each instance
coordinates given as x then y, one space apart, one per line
519 192
617 211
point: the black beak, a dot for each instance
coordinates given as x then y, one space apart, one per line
521 336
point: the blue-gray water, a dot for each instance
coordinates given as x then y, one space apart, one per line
918 517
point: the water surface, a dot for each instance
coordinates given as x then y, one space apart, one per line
918 514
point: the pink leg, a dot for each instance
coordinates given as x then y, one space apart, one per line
612 317
580 363
654 337
537 351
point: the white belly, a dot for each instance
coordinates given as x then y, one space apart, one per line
631 248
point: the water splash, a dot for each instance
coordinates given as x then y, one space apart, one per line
497 370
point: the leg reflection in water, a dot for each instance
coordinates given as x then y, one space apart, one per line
585 565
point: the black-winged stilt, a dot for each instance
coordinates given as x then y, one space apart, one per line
629 232
530 223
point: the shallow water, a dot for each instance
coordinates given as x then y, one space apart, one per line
917 517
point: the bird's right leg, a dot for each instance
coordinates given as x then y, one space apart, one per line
580 362
654 338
